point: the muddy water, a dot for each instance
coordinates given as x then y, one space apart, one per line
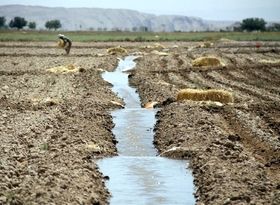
138 175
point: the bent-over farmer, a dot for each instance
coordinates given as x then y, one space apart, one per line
64 42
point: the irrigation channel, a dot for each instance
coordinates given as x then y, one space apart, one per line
138 175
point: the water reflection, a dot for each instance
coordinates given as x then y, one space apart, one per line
137 176
134 131
148 180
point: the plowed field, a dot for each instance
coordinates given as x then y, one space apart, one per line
53 125
234 149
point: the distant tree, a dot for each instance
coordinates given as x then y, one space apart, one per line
53 24
253 24
116 29
32 25
48 25
143 29
274 27
237 29
2 21
17 22
163 27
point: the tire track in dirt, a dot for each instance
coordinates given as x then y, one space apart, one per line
256 136
274 71
262 82
270 113
241 86
264 75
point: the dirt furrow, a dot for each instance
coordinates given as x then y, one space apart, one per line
252 90
233 149
53 126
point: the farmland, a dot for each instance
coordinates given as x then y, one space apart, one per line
88 36
54 125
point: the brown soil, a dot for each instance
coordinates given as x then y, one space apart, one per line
234 149
54 126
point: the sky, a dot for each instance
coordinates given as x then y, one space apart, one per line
207 9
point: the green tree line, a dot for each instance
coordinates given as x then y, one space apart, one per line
20 22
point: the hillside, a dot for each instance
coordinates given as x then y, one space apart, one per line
107 19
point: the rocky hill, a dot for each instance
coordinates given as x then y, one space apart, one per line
107 19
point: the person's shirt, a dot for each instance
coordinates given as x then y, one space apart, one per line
64 38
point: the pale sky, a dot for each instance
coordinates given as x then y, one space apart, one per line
207 9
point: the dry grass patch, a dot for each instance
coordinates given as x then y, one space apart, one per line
206 45
60 43
155 46
207 61
275 61
226 40
64 69
116 50
150 105
45 101
159 53
221 96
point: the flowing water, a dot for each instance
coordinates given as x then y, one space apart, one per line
138 175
